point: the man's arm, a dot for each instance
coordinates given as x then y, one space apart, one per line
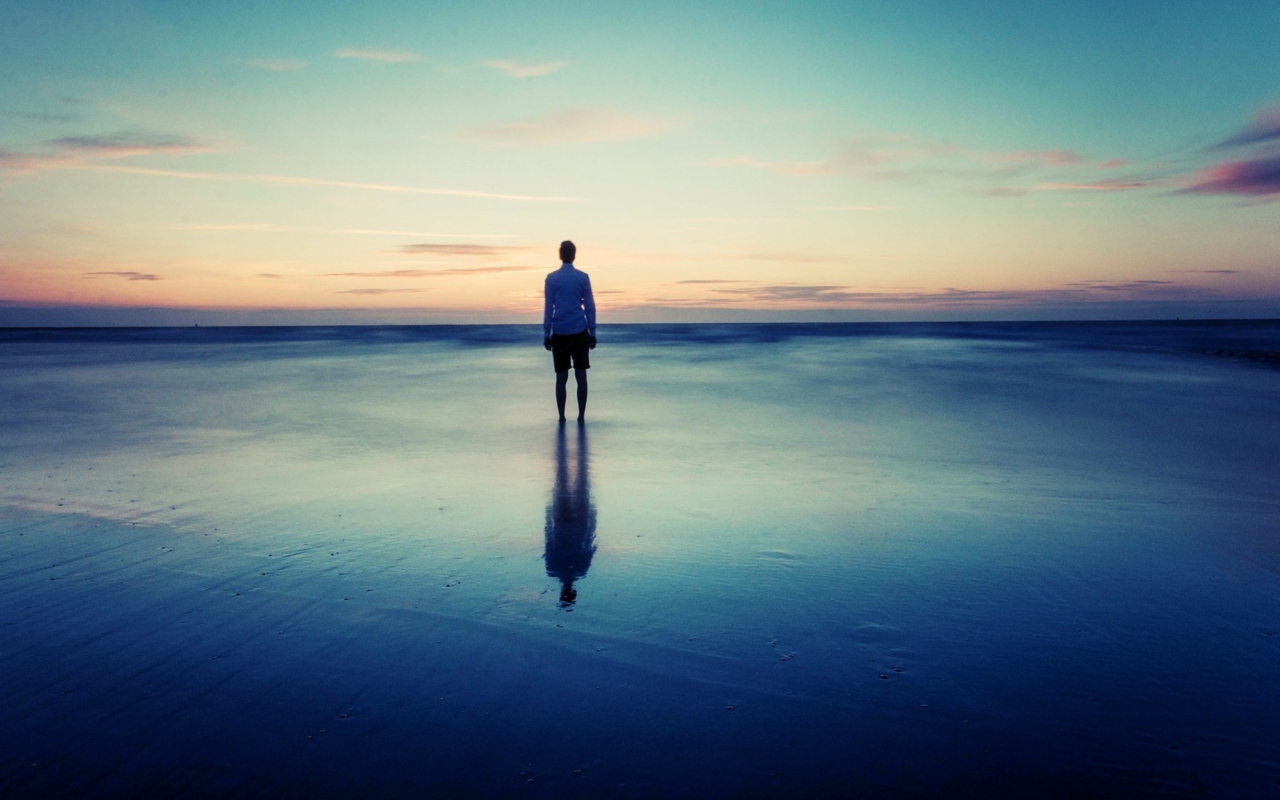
546 309
589 305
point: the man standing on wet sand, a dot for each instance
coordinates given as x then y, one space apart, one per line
569 326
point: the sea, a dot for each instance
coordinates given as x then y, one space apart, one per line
810 560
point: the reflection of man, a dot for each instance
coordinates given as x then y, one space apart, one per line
569 326
571 520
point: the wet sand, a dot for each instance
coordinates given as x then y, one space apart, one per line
960 562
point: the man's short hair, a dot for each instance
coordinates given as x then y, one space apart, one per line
567 251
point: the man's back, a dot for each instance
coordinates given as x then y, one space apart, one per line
570 307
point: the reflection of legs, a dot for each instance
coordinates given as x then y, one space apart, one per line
580 375
562 378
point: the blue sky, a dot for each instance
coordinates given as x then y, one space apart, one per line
420 162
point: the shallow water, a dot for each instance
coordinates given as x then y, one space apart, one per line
896 559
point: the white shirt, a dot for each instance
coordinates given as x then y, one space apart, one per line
569 308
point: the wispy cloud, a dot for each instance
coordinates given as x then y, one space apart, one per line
898 157
851 208
783 295
270 227
469 250
429 273
1118 286
126 144
128 276
518 69
1095 186
252 227
277 64
1255 177
583 125
379 291
287 180
414 234
73 151
41 116
382 56
1264 127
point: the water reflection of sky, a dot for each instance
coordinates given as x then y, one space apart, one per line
1052 548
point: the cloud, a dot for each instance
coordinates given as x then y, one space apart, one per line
287 180
428 273
708 280
277 64
898 157
831 295
1264 127
38 116
780 167
75 151
1095 186
128 276
380 232
381 56
851 208
518 70
124 145
1253 177
255 227
270 275
583 125
1119 286
269 227
1037 158
378 291
481 250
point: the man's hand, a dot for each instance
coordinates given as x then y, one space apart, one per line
592 345
546 342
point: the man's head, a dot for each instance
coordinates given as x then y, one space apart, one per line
567 251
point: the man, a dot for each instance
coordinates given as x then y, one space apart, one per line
569 326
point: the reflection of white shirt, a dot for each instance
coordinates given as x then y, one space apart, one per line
570 308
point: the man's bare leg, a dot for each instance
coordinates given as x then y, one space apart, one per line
580 375
562 378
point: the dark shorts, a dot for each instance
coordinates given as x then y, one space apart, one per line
571 346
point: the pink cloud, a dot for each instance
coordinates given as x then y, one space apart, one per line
1256 177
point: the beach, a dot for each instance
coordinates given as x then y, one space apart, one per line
820 560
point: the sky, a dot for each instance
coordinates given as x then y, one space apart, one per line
176 162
